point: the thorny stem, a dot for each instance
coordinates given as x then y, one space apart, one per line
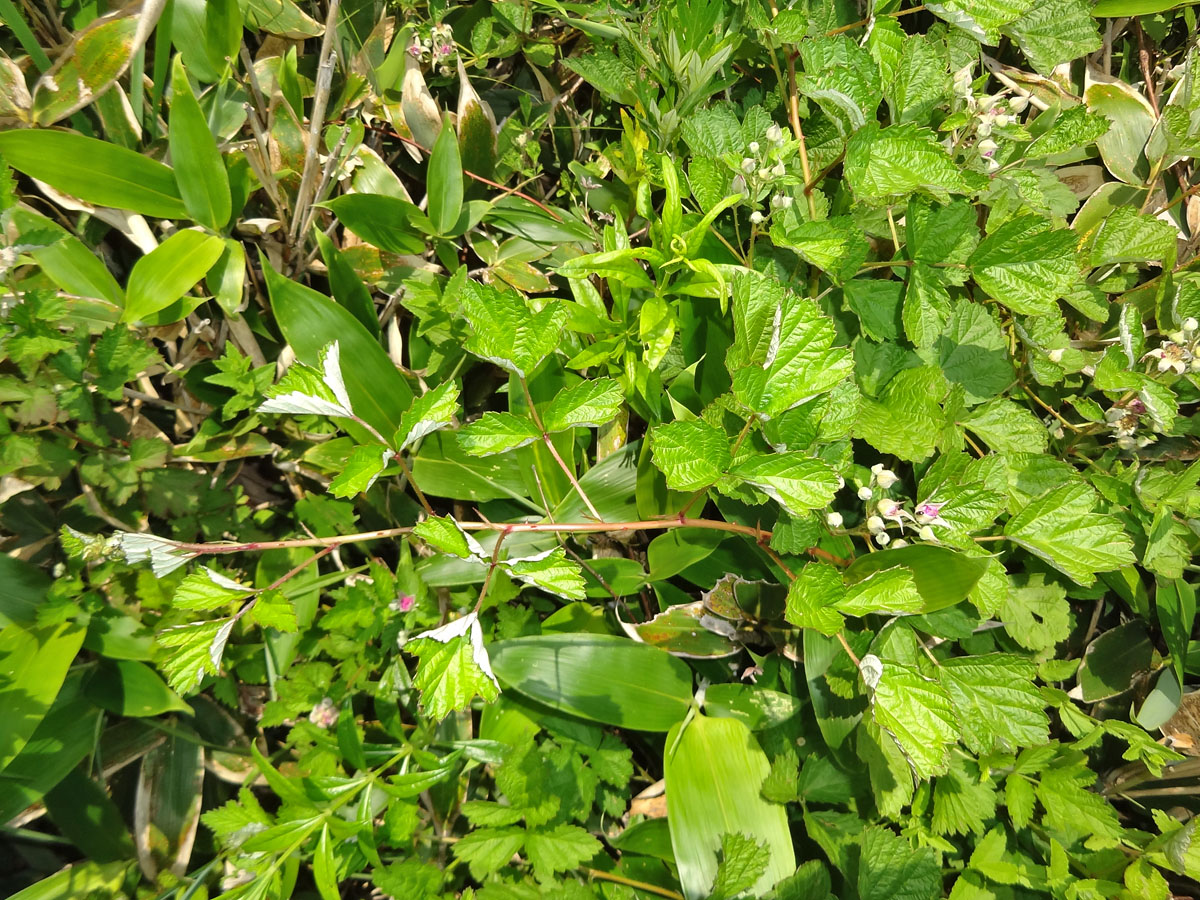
487 579
416 490
537 420
793 99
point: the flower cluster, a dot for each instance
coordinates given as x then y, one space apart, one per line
1125 421
1181 351
986 114
887 513
324 714
437 49
761 169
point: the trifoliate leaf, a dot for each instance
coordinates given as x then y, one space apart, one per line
442 533
917 713
812 598
1061 528
743 861
891 869
890 592
997 703
1027 265
551 571
884 164
505 331
487 850
272 609
496 432
452 667
361 470
794 481
558 849
196 650
692 455
306 391
165 556
207 589
430 412
783 352
1055 31
588 404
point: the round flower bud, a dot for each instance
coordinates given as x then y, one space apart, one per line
754 147
1018 104
779 170
882 538
875 524
898 543
865 493
1190 324
1056 355
834 520
775 134
925 533
756 218
889 509
748 165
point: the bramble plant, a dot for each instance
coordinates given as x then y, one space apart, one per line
691 449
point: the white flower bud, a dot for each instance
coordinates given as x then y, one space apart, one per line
875 525
754 147
779 170
1018 104
885 478
865 493
748 165
1056 355
987 147
775 134
834 520
889 509
756 218
882 538
925 533
1190 324
764 174
898 543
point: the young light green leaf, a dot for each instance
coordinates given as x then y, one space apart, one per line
1075 127
783 352
916 712
813 597
201 174
692 455
303 390
1027 265
487 850
272 609
196 651
892 870
907 418
972 352
165 555
1061 528
506 332
889 592
496 432
452 666
1007 427
551 571
743 861
588 404
442 533
998 705
168 272
207 589
444 181
361 470
793 480
430 412
558 849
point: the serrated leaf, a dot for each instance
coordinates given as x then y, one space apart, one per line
505 331
813 596
361 470
999 706
272 609
551 571
692 455
892 870
588 404
783 351
196 650
972 352
1007 427
836 246
889 592
889 163
1027 265
1126 236
486 850
304 390
497 432
1075 811
982 19
918 714
793 480
743 862
1036 614
1054 32
962 802
1061 528
1075 127
907 419
206 589
165 555
443 534
558 849
452 667
430 412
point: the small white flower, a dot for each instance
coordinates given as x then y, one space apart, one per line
1171 356
1055 355
1190 324
834 520
775 134
324 714
885 478
875 525
865 493
756 218
748 165
882 538
754 147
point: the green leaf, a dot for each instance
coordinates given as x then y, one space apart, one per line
206 589
982 19
496 432
714 771
598 677
487 850
551 571
1075 127
1055 32
1125 236
889 592
345 285
877 303
793 480
443 534
1132 118
307 391
972 352
453 667
1007 427
837 246
94 171
361 470
444 181
743 862
67 261
272 609
916 711
558 849
783 352
588 404
33 664
82 879
906 420
887 164
813 597
692 455
168 272
196 650
432 411
203 182
891 869
506 332
1074 810
1027 265
1112 9
1113 661
1061 528
131 688
383 221
1036 613
997 702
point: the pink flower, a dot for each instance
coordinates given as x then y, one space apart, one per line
930 510
403 603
